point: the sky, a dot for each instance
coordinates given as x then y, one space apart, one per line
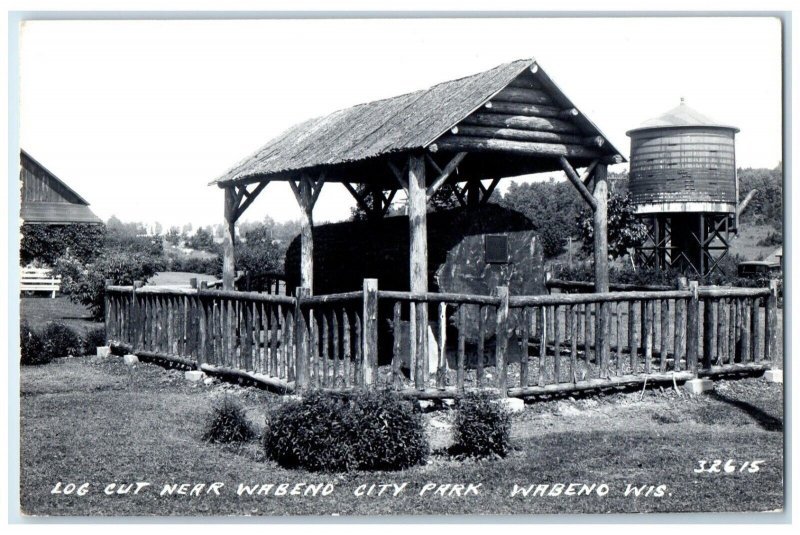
139 116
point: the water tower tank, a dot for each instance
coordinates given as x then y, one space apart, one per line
683 184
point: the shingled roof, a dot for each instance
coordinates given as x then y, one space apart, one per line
681 116
404 123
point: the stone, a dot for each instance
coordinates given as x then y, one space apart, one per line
130 360
440 424
104 351
208 380
511 404
425 404
698 386
194 375
774 376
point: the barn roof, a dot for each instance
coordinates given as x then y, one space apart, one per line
57 213
680 116
69 208
404 123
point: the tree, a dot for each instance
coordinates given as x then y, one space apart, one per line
552 206
46 243
203 240
173 236
625 230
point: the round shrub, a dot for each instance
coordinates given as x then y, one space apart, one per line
335 433
58 341
31 348
482 426
93 339
228 423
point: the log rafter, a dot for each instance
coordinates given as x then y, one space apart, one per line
573 177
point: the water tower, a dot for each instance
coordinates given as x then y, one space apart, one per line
684 186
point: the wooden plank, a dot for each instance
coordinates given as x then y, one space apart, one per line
554 313
480 351
632 342
246 335
442 357
573 348
692 327
708 332
302 342
462 333
771 324
336 352
358 362
315 368
277 360
664 334
755 329
346 346
746 334
619 339
647 335
524 336
397 344
412 345
325 317
587 337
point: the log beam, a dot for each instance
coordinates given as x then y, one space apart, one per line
529 96
445 173
524 122
475 144
516 134
576 181
516 108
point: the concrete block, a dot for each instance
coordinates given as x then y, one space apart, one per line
194 375
511 404
103 351
425 404
130 360
698 386
774 376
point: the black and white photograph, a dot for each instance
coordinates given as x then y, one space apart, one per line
398 267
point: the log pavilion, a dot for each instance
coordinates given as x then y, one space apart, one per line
465 135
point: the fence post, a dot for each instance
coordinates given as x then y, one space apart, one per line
692 328
502 340
302 349
771 324
136 332
369 336
709 323
107 311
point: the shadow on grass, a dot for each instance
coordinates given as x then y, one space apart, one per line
764 420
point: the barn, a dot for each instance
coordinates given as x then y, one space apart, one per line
48 200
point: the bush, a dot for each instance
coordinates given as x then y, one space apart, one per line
482 427
58 341
328 432
228 423
31 348
85 284
46 243
93 339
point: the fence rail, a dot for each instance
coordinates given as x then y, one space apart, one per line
442 344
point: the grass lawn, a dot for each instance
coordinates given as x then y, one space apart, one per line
92 420
745 244
39 311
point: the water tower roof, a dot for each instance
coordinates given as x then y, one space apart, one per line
680 116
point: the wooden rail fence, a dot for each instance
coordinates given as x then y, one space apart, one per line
519 345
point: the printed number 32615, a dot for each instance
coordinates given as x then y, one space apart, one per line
729 467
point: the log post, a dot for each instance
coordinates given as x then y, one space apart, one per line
418 256
369 337
302 345
306 237
771 324
228 255
501 335
692 328
600 195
